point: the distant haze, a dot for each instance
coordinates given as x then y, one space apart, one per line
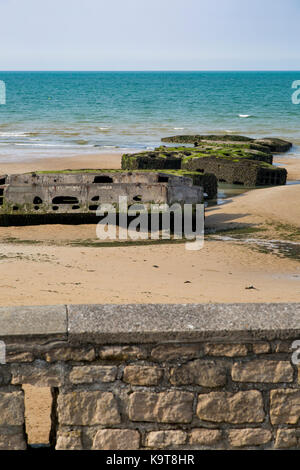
149 35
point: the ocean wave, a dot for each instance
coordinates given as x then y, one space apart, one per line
27 144
245 115
16 134
178 128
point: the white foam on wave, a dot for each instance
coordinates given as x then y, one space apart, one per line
14 134
26 144
178 128
245 115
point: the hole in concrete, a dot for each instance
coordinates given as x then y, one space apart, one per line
40 415
15 208
36 208
65 200
95 198
137 198
1 192
2 180
163 179
93 208
103 179
221 180
55 208
238 182
75 207
37 200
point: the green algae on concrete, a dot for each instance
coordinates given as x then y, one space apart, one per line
228 151
232 159
274 144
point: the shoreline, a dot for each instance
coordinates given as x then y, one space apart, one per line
60 264
112 160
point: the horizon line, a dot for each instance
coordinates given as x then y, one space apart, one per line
149 70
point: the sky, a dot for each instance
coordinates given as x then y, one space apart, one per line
149 35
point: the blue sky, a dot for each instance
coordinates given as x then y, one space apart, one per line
149 35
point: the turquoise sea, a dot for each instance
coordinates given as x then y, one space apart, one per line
66 113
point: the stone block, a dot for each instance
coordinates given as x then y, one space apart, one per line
116 439
199 372
11 408
88 408
263 371
228 350
249 437
164 407
235 408
93 374
285 406
142 375
163 439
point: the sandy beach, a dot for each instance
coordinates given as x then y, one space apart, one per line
201 98
86 161
55 264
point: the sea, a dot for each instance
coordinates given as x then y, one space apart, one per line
58 114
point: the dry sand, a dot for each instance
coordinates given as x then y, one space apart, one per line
292 165
280 204
103 160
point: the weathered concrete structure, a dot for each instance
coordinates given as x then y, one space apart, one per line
227 150
266 144
155 376
83 191
232 159
244 172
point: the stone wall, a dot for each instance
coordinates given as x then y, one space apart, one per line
155 376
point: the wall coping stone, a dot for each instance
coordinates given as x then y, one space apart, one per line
33 321
146 323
